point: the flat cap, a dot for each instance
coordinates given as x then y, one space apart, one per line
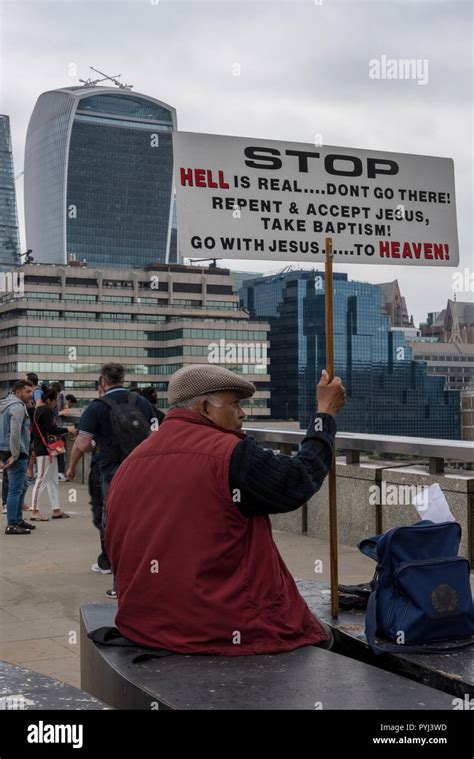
200 379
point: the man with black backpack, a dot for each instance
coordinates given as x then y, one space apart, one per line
117 421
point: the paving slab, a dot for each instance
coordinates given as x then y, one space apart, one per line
21 688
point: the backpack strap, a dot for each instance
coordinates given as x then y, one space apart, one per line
399 648
108 402
35 422
132 400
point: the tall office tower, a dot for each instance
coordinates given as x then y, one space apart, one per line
99 177
173 254
240 277
388 391
9 237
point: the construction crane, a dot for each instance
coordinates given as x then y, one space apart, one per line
28 256
114 79
277 275
199 260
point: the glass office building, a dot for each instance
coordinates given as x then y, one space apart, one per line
388 392
99 178
9 237
173 255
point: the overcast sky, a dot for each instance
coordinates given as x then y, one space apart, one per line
303 71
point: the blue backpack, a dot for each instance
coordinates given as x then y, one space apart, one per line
421 591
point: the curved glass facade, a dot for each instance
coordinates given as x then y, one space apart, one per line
120 176
125 105
9 237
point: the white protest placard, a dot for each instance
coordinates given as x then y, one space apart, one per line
263 199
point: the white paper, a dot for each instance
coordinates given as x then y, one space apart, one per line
431 504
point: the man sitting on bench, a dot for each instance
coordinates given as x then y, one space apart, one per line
188 532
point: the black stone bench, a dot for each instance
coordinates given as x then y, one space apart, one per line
23 689
451 672
307 678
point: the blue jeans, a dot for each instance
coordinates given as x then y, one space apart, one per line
17 487
105 483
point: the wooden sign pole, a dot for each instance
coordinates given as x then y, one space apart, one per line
332 473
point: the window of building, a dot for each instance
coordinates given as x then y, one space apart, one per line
186 287
36 279
220 289
118 299
80 282
80 298
34 314
187 303
125 105
42 296
116 317
83 315
151 285
227 305
118 283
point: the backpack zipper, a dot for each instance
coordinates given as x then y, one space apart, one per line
395 530
443 560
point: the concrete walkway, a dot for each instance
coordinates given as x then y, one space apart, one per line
47 575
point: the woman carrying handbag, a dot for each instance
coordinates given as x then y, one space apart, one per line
47 445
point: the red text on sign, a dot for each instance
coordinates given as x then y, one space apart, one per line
434 251
203 178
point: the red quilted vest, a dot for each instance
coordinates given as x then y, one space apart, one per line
194 575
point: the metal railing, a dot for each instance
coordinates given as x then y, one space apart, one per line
437 451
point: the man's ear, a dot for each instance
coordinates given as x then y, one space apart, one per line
203 407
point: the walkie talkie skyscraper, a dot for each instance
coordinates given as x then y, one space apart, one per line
99 177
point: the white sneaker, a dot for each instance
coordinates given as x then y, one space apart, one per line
95 568
62 477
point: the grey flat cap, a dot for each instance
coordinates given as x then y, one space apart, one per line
200 379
